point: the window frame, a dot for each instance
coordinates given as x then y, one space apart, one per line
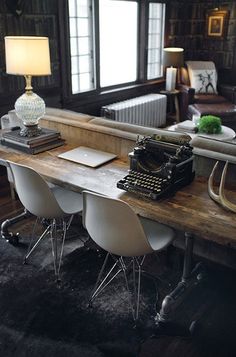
162 32
142 54
78 55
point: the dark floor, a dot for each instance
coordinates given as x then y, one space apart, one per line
39 318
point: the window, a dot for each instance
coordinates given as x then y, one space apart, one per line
111 29
155 39
81 45
118 29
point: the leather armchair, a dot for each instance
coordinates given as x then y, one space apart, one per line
222 104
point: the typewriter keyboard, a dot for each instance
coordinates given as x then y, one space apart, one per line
147 185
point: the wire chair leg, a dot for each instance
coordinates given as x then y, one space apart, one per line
134 297
53 230
54 245
68 224
105 282
56 254
43 235
32 234
134 281
65 228
138 294
127 286
100 274
139 263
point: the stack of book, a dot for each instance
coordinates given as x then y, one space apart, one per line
48 139
186 126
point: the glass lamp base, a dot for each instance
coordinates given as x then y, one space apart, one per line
31 131
30 108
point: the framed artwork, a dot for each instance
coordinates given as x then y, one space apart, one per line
217 23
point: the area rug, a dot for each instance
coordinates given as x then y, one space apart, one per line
42 318
39 318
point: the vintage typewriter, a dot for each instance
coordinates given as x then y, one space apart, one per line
159 166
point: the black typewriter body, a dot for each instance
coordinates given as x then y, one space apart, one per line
158 169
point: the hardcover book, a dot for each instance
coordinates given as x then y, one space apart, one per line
43 141
33 150
186 126
45 135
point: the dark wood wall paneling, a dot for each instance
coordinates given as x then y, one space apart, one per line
39 18
186 27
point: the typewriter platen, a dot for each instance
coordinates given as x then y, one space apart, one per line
159 166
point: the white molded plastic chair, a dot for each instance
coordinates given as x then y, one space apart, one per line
55 204
8 121
115 227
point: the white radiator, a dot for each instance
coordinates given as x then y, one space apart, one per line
148 110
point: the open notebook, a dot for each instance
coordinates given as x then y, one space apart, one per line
87 156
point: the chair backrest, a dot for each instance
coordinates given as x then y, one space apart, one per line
203 76
34 193
184 76
114 226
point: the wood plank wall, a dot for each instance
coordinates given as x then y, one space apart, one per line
39 18
185 28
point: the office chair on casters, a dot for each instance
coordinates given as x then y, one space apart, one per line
56 205
115 227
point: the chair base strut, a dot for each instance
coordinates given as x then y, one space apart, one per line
55 229
104 279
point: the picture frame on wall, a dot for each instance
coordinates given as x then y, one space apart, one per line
217 23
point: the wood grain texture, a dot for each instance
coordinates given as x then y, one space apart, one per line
190 209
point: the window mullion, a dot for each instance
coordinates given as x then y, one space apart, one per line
155 39
143 40
77 44
81 40
96 48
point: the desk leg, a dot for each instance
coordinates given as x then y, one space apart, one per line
9 236
189 279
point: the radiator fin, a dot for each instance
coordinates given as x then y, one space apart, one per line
148 110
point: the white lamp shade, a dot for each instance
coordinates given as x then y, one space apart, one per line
27 55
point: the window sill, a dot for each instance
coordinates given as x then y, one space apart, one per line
91 102
133 86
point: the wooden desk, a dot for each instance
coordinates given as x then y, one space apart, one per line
190 210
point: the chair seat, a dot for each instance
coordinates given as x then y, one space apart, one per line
226 111
47 201
69 201
116 228
159 236
200 98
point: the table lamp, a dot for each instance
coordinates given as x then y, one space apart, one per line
172 58
28 56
